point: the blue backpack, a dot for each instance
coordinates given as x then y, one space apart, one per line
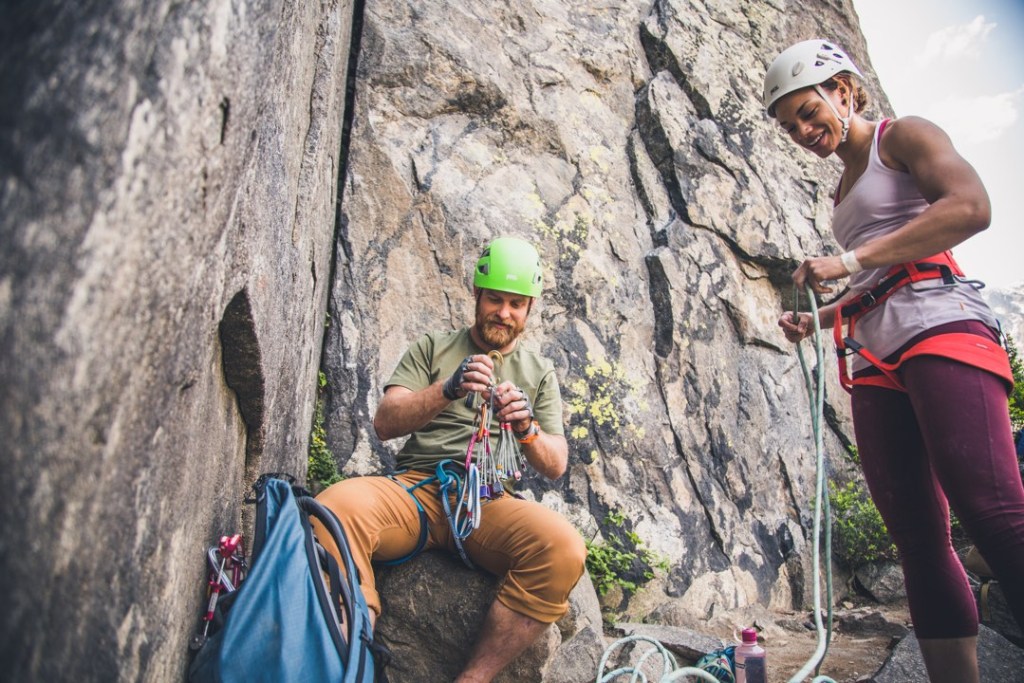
282 622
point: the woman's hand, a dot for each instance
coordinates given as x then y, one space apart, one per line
798 330
816 271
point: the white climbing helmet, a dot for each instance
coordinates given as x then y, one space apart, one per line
805 64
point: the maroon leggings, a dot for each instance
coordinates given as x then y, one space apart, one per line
947 438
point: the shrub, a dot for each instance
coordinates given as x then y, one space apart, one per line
859 535
323 470
623 560
1017 395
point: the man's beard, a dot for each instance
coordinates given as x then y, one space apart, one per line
496 335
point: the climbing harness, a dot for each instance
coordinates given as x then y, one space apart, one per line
816 394
941 266
449 485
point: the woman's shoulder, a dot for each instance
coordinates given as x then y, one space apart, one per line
906 138
912 130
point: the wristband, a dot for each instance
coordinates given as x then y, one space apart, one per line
850 262
532 432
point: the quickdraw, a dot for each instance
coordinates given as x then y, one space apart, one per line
227 569
939 266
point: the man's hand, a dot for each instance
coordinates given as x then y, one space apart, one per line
513 405
475 373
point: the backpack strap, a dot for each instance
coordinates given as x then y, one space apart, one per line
356 614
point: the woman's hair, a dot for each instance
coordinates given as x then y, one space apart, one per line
861 100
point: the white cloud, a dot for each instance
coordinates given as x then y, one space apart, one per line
955 42
972 120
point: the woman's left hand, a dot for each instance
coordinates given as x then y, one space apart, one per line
816 271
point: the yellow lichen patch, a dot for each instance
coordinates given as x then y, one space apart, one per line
579 432
568 237
601 398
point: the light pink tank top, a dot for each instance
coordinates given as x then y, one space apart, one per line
881 201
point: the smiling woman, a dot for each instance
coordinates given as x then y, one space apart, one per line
930 378
958 64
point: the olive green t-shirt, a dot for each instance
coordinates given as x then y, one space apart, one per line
435 356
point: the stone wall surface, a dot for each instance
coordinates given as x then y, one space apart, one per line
627 140
167 202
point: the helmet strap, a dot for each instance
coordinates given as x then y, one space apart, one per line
843 120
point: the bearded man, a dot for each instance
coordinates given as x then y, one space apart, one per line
387 519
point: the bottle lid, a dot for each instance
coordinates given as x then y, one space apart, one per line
749 636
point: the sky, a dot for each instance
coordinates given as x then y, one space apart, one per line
960 64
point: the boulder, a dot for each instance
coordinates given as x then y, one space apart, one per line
432 610
999 661
167 202
882 582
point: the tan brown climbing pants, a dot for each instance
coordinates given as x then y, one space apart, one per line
537 551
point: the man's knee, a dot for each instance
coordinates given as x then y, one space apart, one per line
565 554
572 550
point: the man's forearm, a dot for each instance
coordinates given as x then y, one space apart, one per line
548 454
403 411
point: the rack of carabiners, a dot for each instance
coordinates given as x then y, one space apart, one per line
486 470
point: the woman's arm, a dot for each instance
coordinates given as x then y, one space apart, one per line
959 205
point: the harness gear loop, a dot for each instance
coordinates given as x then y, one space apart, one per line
934 267
449 485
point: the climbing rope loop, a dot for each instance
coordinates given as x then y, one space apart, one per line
668 670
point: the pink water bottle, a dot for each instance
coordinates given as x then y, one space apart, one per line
751 666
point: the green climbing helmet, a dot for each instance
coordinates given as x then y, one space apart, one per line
509 264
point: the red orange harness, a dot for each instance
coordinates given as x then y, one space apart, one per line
967 348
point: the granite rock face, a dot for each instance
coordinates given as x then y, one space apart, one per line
167 202
628 141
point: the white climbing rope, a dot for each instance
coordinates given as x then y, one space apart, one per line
816 397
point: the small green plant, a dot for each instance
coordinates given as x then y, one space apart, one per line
323 470
623 560
1017 395
859 535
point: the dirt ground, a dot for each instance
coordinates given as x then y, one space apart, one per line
850 658
862 638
